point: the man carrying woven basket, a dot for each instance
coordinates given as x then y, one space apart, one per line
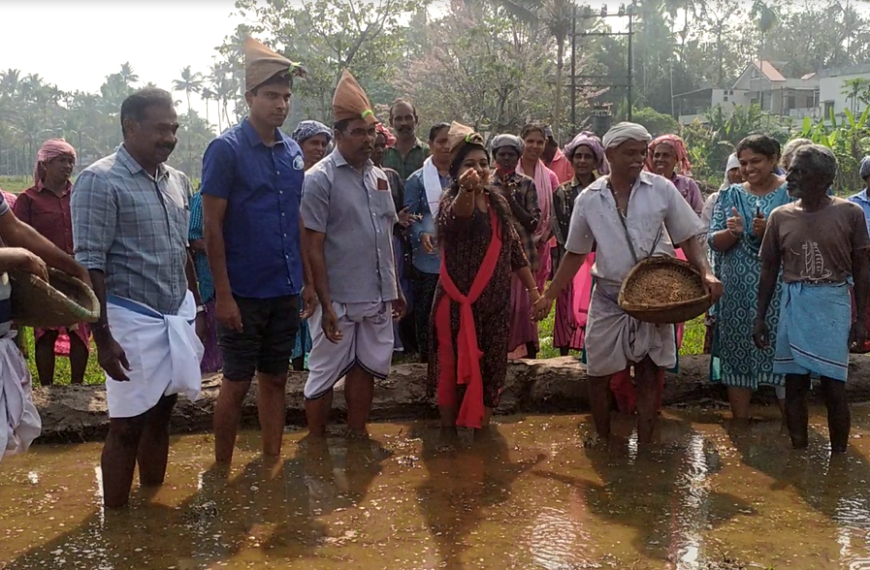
629 216
820 243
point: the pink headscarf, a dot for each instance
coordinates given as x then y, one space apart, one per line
385 132
679 147
589 139
51 149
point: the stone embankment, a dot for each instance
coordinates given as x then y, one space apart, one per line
78 413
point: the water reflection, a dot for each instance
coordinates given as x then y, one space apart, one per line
268 508
662 492
527 494
463 486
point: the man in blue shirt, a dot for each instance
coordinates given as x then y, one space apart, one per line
251 186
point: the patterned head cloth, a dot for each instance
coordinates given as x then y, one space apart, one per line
625 131
350 101
389 139
51 149
262 64
307 129
460 134
590 140
679 147
865 167
500 141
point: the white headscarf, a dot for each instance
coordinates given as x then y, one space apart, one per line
733 162
625 131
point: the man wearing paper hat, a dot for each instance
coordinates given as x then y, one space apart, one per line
251 186
348 214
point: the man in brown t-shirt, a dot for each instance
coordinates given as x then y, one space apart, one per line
821 243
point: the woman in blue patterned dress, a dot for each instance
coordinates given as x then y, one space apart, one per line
736 229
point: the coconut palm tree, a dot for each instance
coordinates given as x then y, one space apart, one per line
128 75
207 95
190 82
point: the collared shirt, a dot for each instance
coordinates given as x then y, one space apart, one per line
524 191
47 213
200 260
657 217
133 227
356 212
408 164
263 188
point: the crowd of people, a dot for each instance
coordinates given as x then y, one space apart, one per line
335 247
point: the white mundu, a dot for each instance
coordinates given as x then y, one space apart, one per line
163 352
367 341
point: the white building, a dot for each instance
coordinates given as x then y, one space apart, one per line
813 95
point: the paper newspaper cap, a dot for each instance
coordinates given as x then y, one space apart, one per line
62 302
350 101
459 134
261 64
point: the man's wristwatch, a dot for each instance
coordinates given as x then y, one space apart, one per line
200 309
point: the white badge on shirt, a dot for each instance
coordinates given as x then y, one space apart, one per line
298 163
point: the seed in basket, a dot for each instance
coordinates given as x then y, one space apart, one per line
665 286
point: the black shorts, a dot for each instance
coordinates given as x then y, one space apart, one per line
267 339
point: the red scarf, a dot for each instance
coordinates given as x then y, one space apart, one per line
467 369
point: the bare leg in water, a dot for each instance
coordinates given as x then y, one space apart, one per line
646 380
839 417
599 402
797 389
740 398
125 444
359 390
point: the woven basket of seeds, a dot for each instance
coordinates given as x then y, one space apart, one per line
664 290
62 302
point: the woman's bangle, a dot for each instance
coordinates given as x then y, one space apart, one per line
737 235
533 289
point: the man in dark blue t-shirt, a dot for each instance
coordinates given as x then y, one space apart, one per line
251 186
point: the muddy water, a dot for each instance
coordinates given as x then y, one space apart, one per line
526 495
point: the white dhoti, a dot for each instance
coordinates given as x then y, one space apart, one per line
367 341
163 351
614 340
22 424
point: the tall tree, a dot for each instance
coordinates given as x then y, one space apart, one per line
556 17
327 36
190 82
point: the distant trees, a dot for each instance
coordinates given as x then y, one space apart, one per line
492 63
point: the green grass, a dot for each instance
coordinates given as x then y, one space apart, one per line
15 184
693 337
93 375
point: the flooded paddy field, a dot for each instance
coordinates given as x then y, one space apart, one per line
529 493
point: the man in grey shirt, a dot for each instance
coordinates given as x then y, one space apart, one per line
130 220
348 213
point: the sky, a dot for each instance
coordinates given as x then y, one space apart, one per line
157 37
94 37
